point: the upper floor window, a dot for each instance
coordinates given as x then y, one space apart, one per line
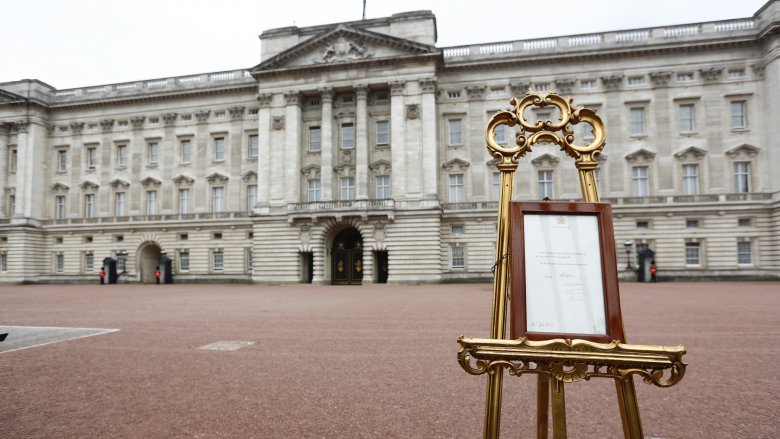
121 155
690 179
744 252
313 190
253 146
62 160
692 253
251 196
91 157
315 138
89 205
545 184
687 118
120 203
684 77
184 200
496 186
456 188
153 149
12 159
639 181
455 132
59 206
742 177
636 80
185 150
382 132
347 188
637 121
219 148
11 206
587 84
218 199
500 136
736 73
382 187
738 114
347 136
151 202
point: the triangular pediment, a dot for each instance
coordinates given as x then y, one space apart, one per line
640 154
182 179
249 176
8 97
343 44
217 178
545 160
743 150
150 181
691 152
60 187
455 164
118 183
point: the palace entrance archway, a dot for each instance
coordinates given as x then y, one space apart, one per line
148 258
347 260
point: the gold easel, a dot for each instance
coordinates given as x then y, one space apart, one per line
556 361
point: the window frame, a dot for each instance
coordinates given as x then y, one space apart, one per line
455 137
459 187
382 135
640 181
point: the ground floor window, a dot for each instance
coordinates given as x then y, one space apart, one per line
89 262
184 260
218 260
744 252
692 253
458 257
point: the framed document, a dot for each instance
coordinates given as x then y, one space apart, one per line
564 272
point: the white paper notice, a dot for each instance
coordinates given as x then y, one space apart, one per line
564 292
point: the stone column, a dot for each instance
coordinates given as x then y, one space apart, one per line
292 148
397 137
4 132
263 154
361 137
430 147
326 146
24 157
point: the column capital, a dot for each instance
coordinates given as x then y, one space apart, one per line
202 115
264 99
428 85
137 121
361 90
169 118
236 112
326 95
107 124
21 126
292 97
397 88
76 127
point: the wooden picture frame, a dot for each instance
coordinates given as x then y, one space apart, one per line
563 272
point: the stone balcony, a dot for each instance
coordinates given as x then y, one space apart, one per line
341 208
173 217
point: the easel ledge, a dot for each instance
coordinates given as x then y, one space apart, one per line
568 360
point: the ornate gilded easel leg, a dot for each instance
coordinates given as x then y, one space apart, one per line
542 406
558 409
629 409
493 409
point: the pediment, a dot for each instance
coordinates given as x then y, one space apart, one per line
8 97
183 179
640 154
545 160
88 185
744 150
217 178
311 171
455 164
150 181
380 165
343 44
691 152
119 183
249 176
60 187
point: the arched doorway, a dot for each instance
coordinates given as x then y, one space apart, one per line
148 258
347 260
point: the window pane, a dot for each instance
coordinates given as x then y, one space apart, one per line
347 188
456 188
637 121
382 132
251 196
314 190
121 155
186 147
151 202
690 179
253 145
119 206
218 199
89 262
686 118
184 260
742 177
738 114
692 256
218 260
639 181
152 153
89 205
545 184
184 200
62 160
745 252
456 135
59 211
219 148
382 187
458 257
347 136
315 138
91 157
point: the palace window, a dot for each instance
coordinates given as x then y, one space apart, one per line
744 222
588 84
691 224
458 256
89 262
62 160
738 114
185 150
636 80
120 203
690 179
742 177
217 260
500 136
12 159
744 252
687 118
184 260
151 202
347 188
89 206
184 200
639 181
545 184
347 136
692 253
250 260
253 146
59 206
218 199
637 122
382 132
219 148
251 196
456 188
382 187
11 206
455 132
59 263
315 138
736 73
313 190
496 186
3 262
121 156
684 77
153 149
91 157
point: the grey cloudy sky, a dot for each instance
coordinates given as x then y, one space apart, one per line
78 43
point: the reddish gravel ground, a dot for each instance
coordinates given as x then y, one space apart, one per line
354 362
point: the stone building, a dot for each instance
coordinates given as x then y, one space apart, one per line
355 153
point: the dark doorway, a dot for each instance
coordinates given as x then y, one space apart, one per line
307 267
380 267
148 261
644 258
347 258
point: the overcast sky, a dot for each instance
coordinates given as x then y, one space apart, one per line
77 43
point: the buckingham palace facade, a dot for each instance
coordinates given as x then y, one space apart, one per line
355 153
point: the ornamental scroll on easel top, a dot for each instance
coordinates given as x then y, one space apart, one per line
546 131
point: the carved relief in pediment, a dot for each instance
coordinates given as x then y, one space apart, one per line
343 49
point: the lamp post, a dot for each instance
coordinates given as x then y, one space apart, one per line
122 256
628 244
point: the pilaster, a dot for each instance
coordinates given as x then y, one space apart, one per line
398 136
430 147
326 146
361 134
4 133
292 147
263 154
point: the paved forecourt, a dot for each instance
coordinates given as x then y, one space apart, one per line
335 362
